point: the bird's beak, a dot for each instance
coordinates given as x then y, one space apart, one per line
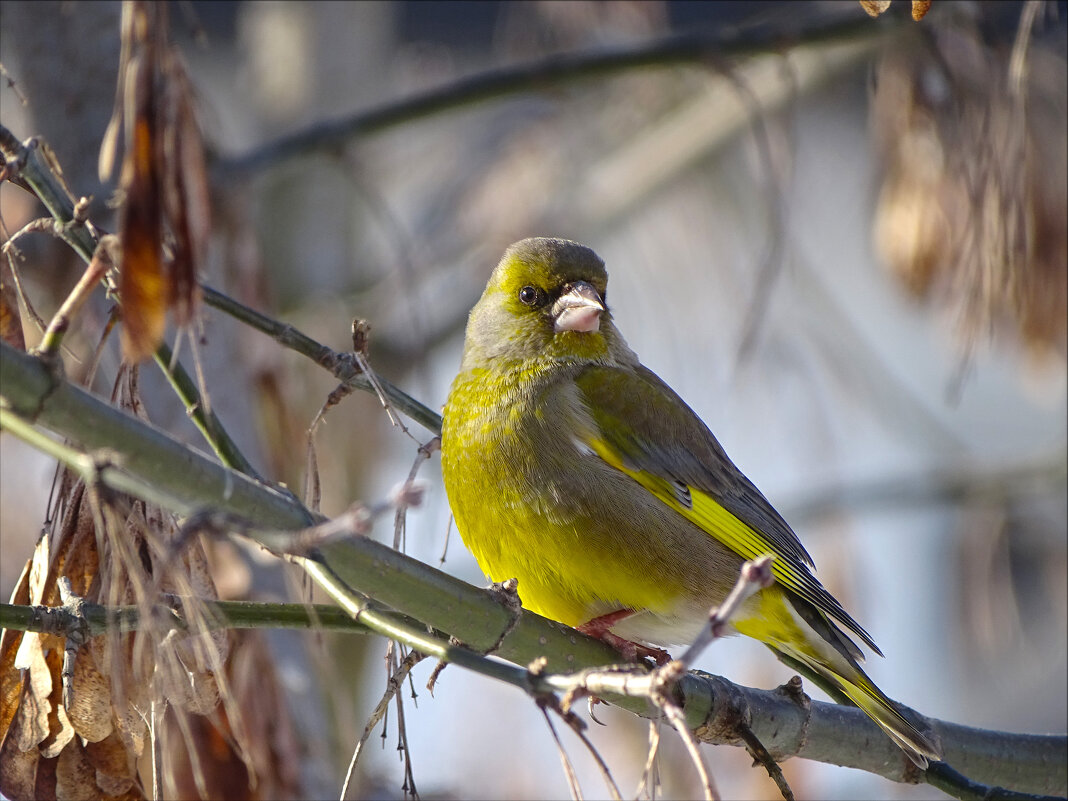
578 309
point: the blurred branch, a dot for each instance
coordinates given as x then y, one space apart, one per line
26 166
202 416
343 366
357 569
950 485
550 73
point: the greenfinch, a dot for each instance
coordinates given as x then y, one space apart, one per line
573 468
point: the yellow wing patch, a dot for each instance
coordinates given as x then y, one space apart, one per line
749 543
705 512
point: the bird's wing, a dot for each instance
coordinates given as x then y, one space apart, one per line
644 429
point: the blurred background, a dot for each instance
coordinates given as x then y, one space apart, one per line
849 256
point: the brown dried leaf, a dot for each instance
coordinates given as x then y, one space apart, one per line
183 672
30 724
77 557
975 184
198 655
45 780
186 197
10 640
75 775
213 756
197 693
90 709
114 788
18 770
60 730
39 564
114 676
911 231
142 281
226 750
271 743
875 7
109 145
165 181
69 552
35 724
130 724
10 316
920 9
112 761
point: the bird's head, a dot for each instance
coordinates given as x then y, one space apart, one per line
545 300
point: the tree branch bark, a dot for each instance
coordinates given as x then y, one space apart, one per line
186 481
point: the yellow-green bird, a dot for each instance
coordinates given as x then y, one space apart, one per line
573 468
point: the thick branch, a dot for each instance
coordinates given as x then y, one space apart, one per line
187 480
168 614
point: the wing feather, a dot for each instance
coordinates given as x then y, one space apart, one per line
664 446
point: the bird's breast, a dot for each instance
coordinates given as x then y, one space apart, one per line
533 501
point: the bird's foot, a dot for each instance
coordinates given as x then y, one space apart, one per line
631 651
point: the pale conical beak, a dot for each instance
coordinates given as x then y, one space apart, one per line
578 309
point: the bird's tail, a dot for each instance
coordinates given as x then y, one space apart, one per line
779 626
872 701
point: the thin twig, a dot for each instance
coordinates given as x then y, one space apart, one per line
760 754
360 331
76 636
376 385
157 708
10 251
57 328
606 774
12 84
313 489
393 684
342 365
408 787
649 778
678 720
569 769
198 366
754 576
423 454
445 547
356 521
203 418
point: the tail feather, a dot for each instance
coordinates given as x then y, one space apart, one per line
871 700
793 637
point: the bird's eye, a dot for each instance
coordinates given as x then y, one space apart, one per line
528 295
